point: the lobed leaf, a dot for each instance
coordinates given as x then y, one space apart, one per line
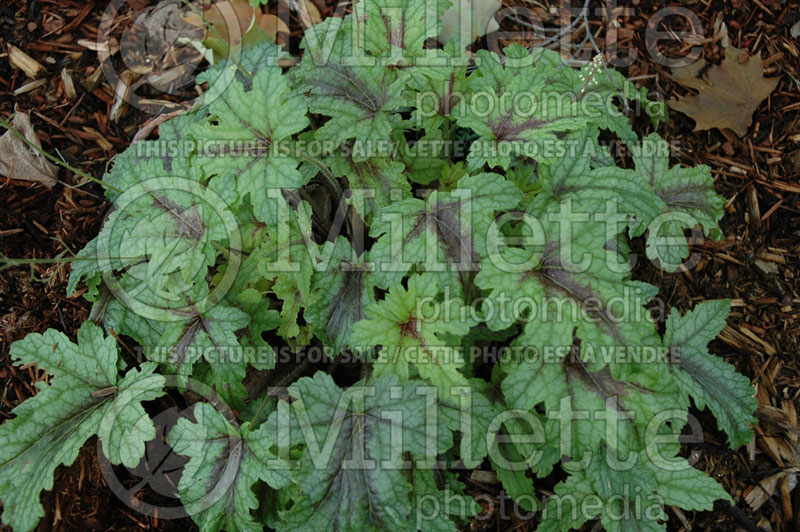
84 397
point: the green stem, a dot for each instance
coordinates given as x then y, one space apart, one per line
261 408
281 381
358 25
6 124
330 179
6 262
316 162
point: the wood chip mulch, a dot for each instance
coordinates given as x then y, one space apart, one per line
756 265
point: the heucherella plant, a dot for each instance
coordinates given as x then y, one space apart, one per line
453 234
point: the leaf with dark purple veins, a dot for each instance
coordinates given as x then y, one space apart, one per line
359 98
397 29
249 128
711 381
373 183
352 475
689 198
444 235
225 462
339 295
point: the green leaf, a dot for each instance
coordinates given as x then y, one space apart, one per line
373 183
688 487
443 235
565 510
628 498
516 483
339 295
85 396
471 413
289 257
352 474
407 330
209 335
358 98
114 314
155 249
619 490
563 283
710 381
166 156
84 266
435 509
248 61
249 129
510 122
690 200
520 107
398 29
225 462
125 426
440 86
614 191
565 385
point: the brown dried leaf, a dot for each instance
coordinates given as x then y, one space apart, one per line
307 11
20 161
231 19
736 90
271 24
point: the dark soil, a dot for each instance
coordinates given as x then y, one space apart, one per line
756 264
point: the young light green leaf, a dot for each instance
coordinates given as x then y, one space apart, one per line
288 258
401 326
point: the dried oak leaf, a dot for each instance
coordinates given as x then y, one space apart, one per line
735 91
